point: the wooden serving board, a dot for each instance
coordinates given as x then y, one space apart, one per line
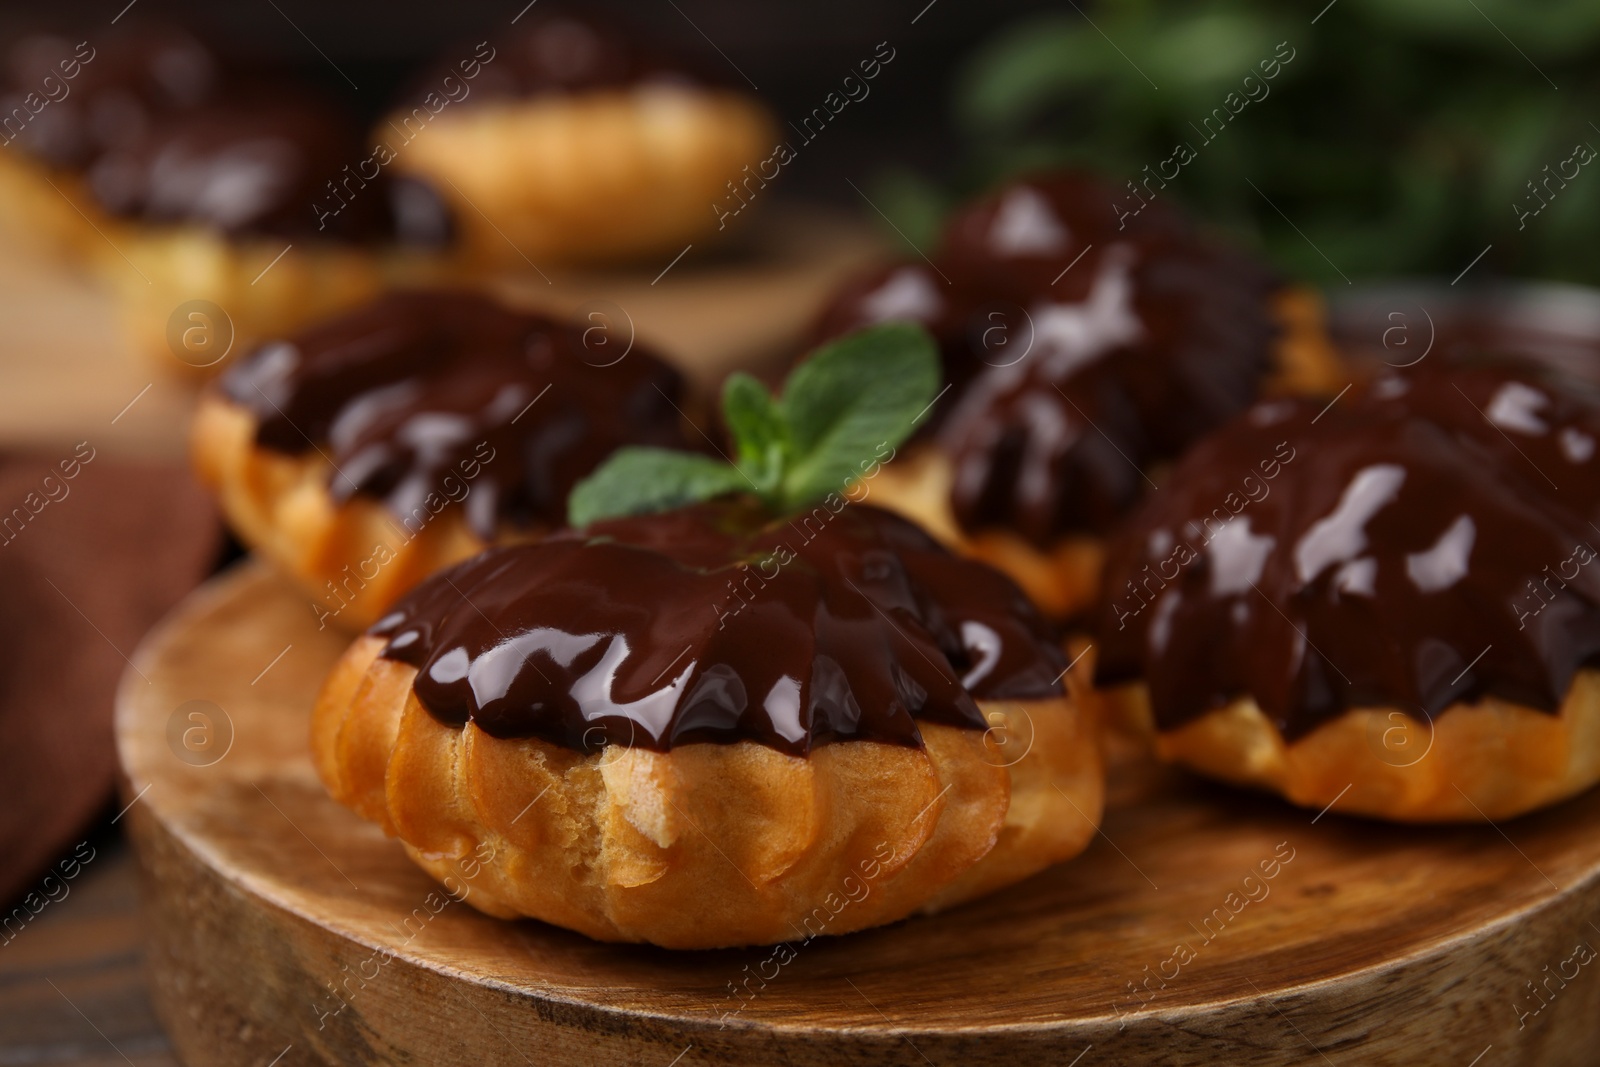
284 926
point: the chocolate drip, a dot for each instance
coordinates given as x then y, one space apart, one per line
1425 541
715 623
1084 348
443 395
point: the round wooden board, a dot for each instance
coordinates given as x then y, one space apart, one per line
283 925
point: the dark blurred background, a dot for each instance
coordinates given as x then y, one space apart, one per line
1403 137
795 53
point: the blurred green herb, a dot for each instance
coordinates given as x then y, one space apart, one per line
1400 139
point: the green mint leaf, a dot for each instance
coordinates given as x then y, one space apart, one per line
840 412
636 481
759 432
849 400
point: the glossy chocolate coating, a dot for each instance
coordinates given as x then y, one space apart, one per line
1427 540
418 394
715 623
256 163
160 134
129 82
1084 348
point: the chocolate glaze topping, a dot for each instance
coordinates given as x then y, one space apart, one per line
715 623
161 134
1426 541
118 87
442 394
1084 347
258 162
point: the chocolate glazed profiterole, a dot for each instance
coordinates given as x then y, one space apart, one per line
1083 351
567 140
64 101
248 165
215 235
222 210
409 434
693 728
1391 607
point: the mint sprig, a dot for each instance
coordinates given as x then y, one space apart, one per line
838 410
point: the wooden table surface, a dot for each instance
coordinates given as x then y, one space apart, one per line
72 985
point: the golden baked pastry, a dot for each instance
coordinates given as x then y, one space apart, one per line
44 213
566 143
1486 759
624 746
1381 607
1081 357
369 451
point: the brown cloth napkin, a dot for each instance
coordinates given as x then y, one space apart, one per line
93 551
